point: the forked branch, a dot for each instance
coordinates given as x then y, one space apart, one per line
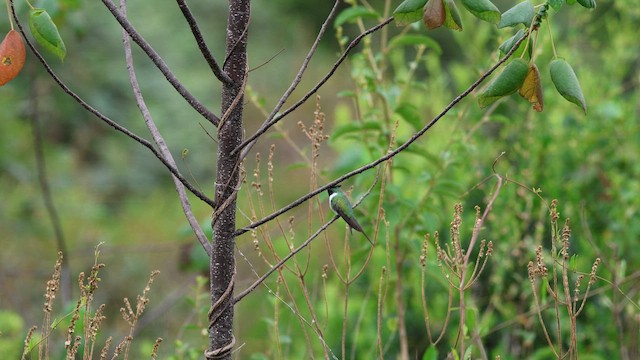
160 64
202 45
159 140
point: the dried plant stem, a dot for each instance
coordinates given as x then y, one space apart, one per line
381 296
402 327
276 319
463 265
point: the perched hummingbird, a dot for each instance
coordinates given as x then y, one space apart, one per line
340 205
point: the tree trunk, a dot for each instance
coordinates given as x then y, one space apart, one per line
222 266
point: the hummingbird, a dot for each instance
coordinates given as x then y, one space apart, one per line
340 205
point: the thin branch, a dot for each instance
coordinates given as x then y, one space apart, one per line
160 64
390 154
270 120
267 61
105 118
204 49
157 137
275 267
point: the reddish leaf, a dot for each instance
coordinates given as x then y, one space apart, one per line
12 56
434 14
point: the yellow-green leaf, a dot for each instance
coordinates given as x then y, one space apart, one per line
46 33
483 9
452 18
509 80
566 82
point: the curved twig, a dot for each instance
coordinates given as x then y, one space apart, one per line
390 154
202 45
105 118
160 64
157 137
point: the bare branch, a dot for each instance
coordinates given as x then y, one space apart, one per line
390 154
257 283
157 137
204 49
105 118
160 64
270 120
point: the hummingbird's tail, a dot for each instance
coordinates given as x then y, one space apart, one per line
365 235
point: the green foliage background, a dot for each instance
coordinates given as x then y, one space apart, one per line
108 189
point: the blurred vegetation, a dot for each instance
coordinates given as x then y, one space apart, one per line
108 189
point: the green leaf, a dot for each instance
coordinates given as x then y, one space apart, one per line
46 32
410 114
483 10
431 353
509 80
556 4
404 40
566 82
522 13
452 18
506 46
589 4
352 14
408 11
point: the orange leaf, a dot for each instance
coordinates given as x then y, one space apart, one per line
531 88
12 56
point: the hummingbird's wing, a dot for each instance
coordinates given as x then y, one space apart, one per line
349 218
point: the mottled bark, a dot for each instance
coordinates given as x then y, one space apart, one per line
222 265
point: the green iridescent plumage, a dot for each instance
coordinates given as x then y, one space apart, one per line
340 204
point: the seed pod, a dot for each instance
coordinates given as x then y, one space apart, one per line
566 82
